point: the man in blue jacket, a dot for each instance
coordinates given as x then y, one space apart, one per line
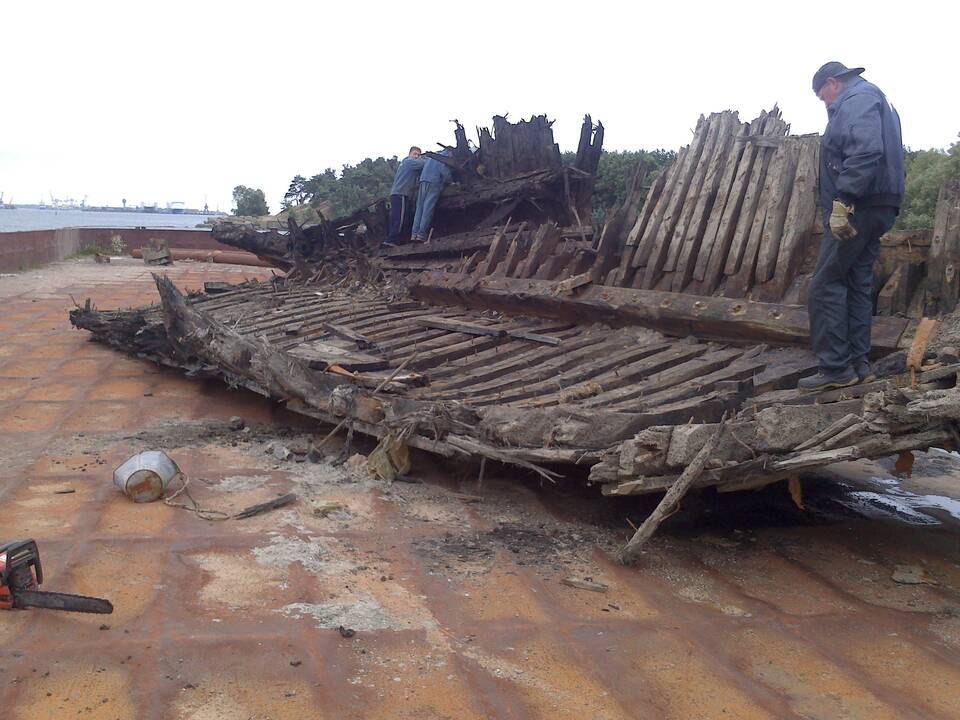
861 189
434 176
402 194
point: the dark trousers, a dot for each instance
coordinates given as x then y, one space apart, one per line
401 218
840 297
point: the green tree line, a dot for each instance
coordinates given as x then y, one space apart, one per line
356 185
926 172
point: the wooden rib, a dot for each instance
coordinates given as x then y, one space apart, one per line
647 240
726 195
625 271
779 203
554 381
801 217
696 226
545 242
740 368
593 347
716 123
661 244
704 359
742 280
623 376
751 199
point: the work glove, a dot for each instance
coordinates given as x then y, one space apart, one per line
840 225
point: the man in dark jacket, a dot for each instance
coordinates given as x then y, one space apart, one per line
402 196
861 188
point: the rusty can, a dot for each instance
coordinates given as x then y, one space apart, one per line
146 476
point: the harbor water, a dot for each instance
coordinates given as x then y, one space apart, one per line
37 219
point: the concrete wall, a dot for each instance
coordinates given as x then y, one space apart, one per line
30 248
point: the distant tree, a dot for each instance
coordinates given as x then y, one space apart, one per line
297 193
926 172
355 186
614 172
249 201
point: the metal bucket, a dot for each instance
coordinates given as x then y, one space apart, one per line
146 476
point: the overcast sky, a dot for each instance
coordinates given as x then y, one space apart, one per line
180 101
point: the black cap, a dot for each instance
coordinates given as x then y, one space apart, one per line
833 69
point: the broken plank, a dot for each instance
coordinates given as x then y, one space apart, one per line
466 328
320 355
362 341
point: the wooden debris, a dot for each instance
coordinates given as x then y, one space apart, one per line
581 584
255 510
671 500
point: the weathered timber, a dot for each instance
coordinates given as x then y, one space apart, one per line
727 197
696 225
943 283
773 197
670 502
800 220
778 204
626 269
685 171
896 293
766 145
676 314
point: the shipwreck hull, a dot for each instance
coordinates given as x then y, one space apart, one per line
526 390
549 346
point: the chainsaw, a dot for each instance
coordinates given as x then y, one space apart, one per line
21 573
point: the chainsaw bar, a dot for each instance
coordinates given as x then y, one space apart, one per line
62 601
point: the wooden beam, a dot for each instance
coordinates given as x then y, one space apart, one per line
672 313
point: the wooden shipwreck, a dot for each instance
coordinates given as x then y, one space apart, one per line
519 334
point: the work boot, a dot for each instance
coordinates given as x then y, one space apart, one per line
829 380
865 371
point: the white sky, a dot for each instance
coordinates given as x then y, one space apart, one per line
164 101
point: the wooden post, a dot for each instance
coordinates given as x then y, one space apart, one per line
672 499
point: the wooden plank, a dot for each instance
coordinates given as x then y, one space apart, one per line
516 252
362 341
800 220
674 313
918 346
778 204
661 244
718 123
632 398
534 337
321 355
943 281
545 242
772 131
729 368
695 229
625 270
650 233
726 193
466 328
554 365
894 297
620 378
727 225
510 366
582 371
496 253
741 281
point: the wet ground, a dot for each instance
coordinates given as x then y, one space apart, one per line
364 600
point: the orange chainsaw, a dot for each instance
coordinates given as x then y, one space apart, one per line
21 573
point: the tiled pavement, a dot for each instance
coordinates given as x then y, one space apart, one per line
237 620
